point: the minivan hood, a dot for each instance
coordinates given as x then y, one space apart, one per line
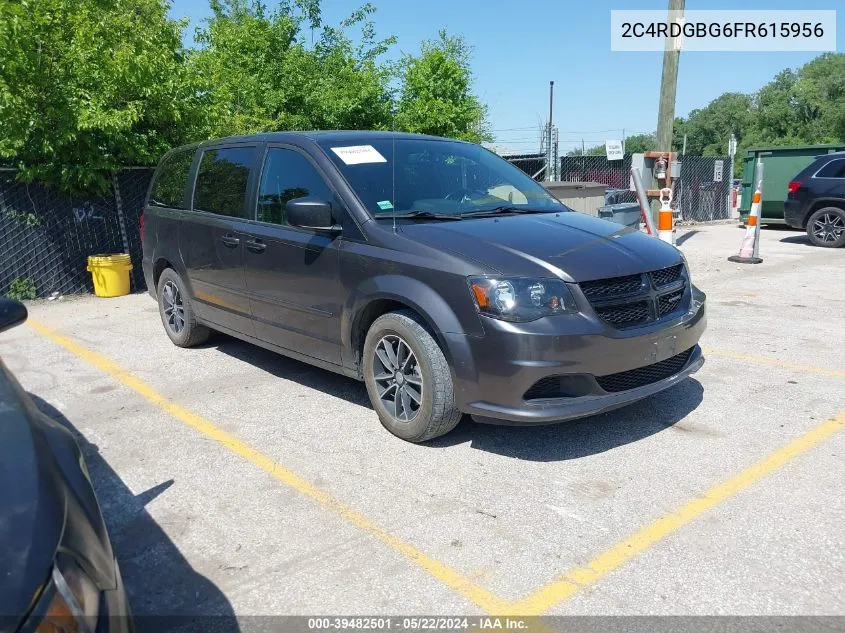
574 246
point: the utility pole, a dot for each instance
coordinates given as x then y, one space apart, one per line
549 166
669 83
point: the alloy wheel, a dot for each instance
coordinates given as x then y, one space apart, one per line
829 227
398 378
174 311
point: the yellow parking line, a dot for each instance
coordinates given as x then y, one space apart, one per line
774 362
448 576
575 580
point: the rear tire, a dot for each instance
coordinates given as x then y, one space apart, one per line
826 227
177 312
408 378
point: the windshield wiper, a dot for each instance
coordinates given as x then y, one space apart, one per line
502 209
421 214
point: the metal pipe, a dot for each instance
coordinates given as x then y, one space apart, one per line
758 174
642 198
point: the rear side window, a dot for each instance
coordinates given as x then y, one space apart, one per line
222 181
834 169
287 175
169 186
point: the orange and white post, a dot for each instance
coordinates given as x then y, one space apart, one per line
665 218
749 250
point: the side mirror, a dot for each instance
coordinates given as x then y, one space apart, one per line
309 213
12 313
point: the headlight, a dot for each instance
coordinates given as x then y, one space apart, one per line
519 298
70 603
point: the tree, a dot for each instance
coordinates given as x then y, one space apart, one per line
436 92
261 76
639 143
708 129
804 106
89 85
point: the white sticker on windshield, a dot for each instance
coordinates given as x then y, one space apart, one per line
359 154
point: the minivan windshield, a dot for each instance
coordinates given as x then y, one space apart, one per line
429 178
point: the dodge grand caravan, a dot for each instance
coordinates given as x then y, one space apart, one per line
433 270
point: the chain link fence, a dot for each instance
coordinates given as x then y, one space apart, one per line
701 193
46 237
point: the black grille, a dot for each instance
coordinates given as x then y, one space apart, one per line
613 287
644 375
666 276
563 386
548 387
668 303
634 300
625 314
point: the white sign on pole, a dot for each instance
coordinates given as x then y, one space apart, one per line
614 149
718 167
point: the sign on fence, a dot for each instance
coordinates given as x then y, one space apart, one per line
718 166
614 149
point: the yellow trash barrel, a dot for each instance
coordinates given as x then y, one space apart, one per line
110 274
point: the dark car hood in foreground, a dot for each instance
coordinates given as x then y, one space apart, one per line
582 247
32 507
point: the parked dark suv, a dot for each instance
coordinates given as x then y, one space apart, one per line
435 271
816 200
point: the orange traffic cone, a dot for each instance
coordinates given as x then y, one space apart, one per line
749 251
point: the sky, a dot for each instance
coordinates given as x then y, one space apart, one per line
519 46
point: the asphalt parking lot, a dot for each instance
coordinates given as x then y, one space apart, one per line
237 481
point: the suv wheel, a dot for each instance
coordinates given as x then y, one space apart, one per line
177 313
826 227
408 378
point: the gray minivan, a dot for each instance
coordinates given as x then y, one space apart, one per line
433 270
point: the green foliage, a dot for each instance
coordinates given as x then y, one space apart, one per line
24 218
21 289
436 94
801 107
89 85
259 75
708 129
639 143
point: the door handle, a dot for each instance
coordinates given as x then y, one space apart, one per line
230 240
256 246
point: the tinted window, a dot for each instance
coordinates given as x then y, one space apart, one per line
834 169
169 186
287 175
222 180
447 177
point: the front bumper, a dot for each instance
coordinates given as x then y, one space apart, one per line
493 373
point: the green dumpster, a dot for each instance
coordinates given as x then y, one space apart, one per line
780 165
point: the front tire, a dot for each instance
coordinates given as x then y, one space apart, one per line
826 227
177 312
408 378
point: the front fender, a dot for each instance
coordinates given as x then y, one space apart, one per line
441 317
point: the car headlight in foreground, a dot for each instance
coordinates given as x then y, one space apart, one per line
70 603
521 299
